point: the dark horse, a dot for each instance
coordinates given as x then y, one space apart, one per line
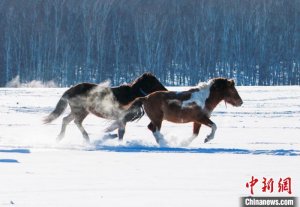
105 102
194 105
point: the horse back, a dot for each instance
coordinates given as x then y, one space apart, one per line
172 95
81 89
166 99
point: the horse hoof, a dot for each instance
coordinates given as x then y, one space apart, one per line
162 143
109 136
207 140
59 138
112 136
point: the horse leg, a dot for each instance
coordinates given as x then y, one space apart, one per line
156 132
112 127
121 130
120 125
155 126
151 127
79 117
206 121
196 129
66 121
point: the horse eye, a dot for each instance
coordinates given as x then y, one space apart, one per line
230 91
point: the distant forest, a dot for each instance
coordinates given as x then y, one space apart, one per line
257 42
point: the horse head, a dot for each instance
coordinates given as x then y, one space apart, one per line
225 90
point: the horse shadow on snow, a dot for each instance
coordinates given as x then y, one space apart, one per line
22 151
139 148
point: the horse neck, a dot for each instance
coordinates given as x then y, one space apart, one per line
212 101
123 94
137 91
140 88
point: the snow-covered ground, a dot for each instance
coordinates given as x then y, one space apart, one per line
260 139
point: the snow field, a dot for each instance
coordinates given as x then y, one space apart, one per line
259 139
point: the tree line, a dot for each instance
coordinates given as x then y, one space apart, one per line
257 42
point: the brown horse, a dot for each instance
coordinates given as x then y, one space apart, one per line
105 102
194 105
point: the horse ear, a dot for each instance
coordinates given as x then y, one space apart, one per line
230 82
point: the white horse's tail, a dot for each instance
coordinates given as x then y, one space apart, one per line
59 109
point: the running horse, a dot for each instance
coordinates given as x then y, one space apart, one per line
194 105
105 102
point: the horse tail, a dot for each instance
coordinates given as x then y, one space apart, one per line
59 109
136 110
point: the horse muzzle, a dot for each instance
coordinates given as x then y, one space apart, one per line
239 103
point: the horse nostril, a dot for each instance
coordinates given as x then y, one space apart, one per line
241 102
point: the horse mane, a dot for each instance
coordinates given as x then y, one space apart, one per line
139 79
127 92
204 85
209 83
